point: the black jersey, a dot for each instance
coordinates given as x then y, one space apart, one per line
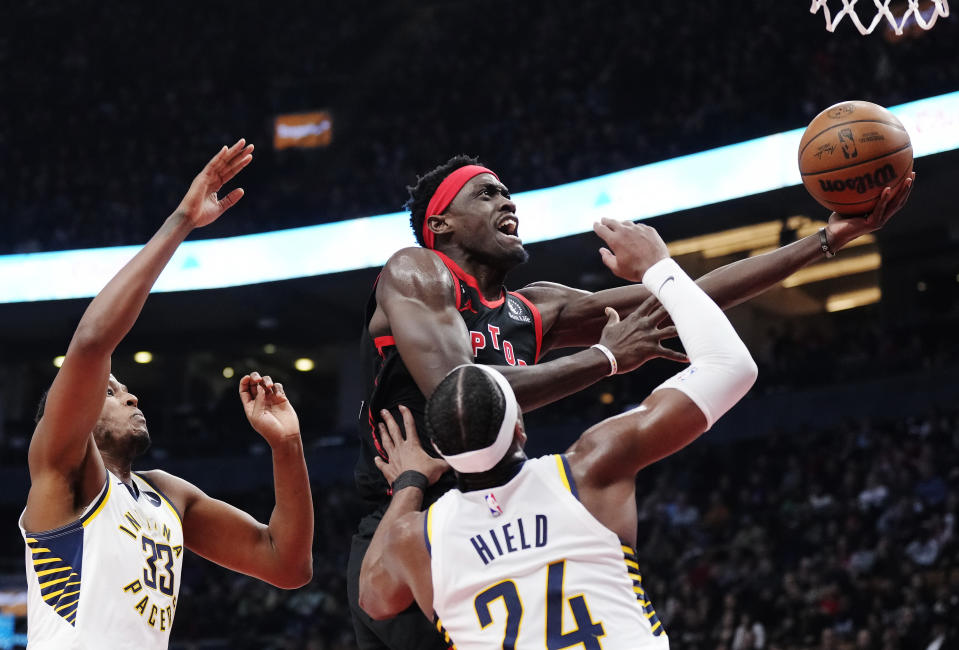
506 331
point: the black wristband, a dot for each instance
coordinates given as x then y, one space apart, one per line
824 244
410 478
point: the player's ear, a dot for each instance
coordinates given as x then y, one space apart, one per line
519 434
438 224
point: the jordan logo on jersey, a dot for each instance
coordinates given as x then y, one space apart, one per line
468 306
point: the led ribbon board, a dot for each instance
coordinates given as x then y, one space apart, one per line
722 174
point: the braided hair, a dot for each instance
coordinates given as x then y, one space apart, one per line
465 411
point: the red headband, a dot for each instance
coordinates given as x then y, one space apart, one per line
445 194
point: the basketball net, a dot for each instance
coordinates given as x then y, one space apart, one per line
938 8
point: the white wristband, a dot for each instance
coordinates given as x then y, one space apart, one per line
613 366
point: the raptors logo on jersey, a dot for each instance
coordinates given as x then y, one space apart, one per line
538 571
109 579
507 331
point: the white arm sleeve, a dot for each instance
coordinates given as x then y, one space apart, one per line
721 370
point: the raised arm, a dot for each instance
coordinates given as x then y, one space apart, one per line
579 315
279 552
607 457
396 567
415 292
66 470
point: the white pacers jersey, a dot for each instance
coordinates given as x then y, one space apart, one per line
110 579
525 565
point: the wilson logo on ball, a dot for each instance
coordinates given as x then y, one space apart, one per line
878 179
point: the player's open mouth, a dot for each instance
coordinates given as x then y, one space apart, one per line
508 226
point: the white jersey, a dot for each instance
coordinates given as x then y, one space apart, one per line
525 565
110 579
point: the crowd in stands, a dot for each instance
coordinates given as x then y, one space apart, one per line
839 536
107 124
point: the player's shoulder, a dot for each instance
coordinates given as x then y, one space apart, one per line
415 255
543 292
414 267
177 489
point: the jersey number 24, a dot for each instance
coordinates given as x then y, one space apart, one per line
586 634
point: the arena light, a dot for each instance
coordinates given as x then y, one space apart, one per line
58 361
304 364
228 372
852 299
727 242
661 188
143 356
834 269
755 239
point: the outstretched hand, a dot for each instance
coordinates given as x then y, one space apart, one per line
201 205
842 229
405 452
633 247
268 409
638 338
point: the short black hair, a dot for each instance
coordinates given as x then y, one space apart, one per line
465 411
425 188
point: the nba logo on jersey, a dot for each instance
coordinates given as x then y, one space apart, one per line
494 509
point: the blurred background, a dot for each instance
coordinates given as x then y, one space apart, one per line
819 514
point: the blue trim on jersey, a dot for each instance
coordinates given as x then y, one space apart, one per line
95 509
57 532
426 531
569 476
57 558
632 570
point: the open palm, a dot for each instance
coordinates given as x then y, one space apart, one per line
202 205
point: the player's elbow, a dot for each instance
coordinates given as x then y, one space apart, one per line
371 602
376 608
294 577
749 370
746 369
290 582
741 372
375 596
302 577
88 340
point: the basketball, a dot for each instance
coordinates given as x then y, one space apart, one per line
852 151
